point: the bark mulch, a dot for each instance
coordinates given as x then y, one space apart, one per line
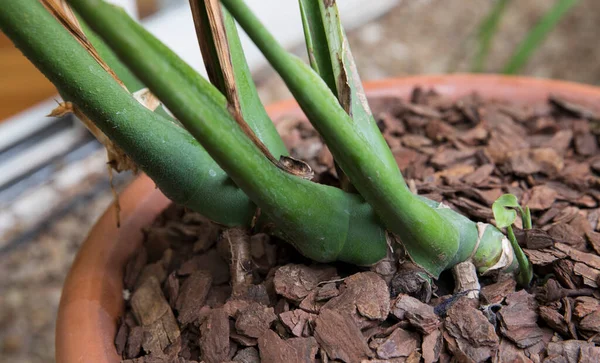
185 304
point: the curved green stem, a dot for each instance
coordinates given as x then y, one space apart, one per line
359 148
324 223
525 269
167 153
228 70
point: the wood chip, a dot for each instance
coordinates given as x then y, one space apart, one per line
518 320
294 281
214 337
273 349
420 315
340 337
401 343
364 296
247 355
469 333
297 321
575 351
254 320
495 293
192 296
540 197
432 346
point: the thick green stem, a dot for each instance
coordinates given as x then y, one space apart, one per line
228 70
429 236
324 223
167 153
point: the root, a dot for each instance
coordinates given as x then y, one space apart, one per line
465 279
238 240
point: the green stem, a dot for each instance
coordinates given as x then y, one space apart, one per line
525 269
527 218
181 168
359 148
228 70
324 223
536 35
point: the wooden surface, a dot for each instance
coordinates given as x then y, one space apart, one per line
22 85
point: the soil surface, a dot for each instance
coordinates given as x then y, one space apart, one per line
185 303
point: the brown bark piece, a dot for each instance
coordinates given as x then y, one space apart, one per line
519 319
154 270
432 346
442 160
540 257
273 349
134 342
306 348
568 235
470 334
534 238
572 351
263 252
364 296
310 303
541 197
192 296
585 305
134 268
573 108
327 291
153 312
247 355
210 261
297 321
591 322
121 337
495 293
594 240
172 289
214 337
589 275
554 319
420 315
339 336
479 175
295 281
400 343
254 320
508 352
587 258
208 234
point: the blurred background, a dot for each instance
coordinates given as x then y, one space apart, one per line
53 177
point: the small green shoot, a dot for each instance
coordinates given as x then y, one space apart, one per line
505 213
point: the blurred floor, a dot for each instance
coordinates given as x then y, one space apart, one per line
419 36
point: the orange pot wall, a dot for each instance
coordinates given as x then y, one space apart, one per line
92 300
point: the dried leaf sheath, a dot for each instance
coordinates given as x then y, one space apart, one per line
63 13
211 30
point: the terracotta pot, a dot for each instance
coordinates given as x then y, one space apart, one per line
92 300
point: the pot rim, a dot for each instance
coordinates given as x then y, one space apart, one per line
91 300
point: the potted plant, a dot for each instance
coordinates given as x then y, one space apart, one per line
221 156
